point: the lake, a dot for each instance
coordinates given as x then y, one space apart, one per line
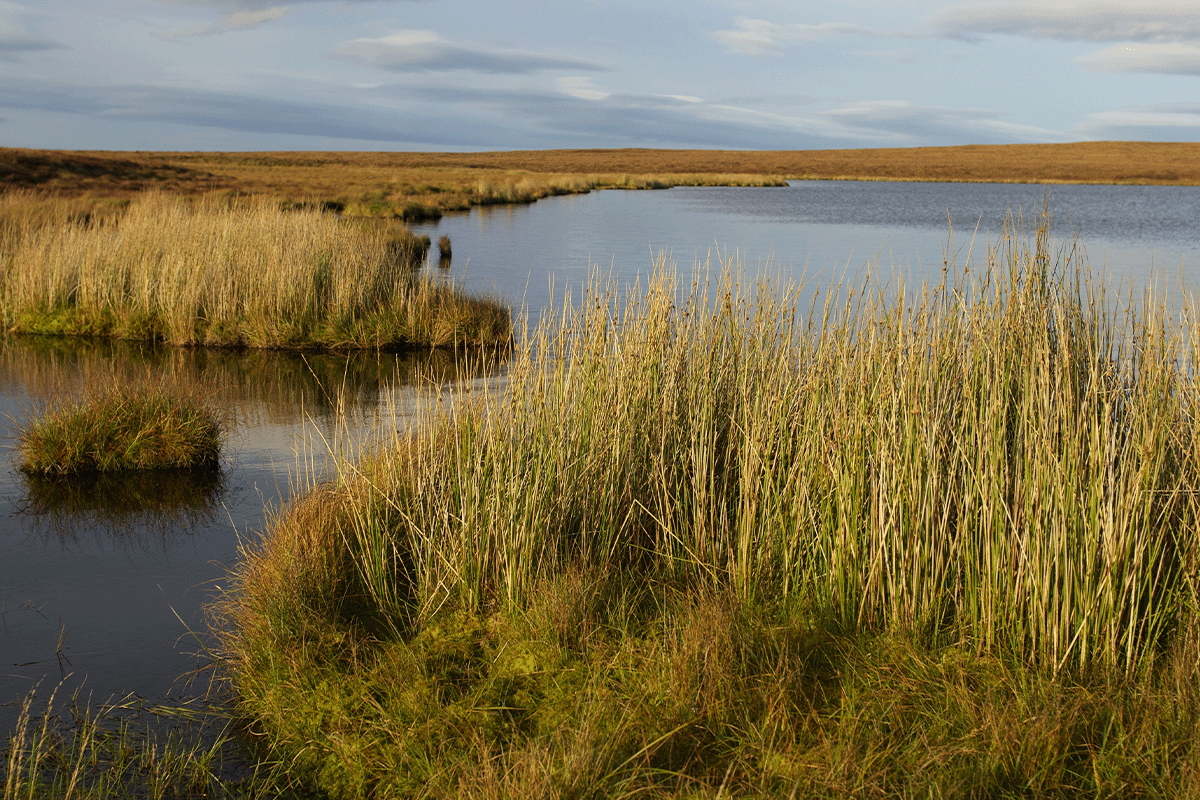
100 580
814 229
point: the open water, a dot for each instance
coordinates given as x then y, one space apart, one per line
816 231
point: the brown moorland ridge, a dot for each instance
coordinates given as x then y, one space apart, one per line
403 183
1083 162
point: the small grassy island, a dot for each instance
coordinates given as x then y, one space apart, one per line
723 541
120 429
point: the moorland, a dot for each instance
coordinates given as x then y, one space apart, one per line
422 185
711 540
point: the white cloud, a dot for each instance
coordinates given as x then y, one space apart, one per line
426 51
1170 59
758 37
237 21
240 20
581 87
1085 22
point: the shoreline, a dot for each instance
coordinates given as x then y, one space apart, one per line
421 185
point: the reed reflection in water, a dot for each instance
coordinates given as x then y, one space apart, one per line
125 505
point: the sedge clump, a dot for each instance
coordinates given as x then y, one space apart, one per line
121 428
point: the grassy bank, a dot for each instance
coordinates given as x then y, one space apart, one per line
711 541
241 273
385 185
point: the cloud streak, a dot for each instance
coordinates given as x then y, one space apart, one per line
584 115
237 21
426 51
1163 122
234 6
933 125
1078 22
760 37
441 116
1165 59
243 113
16 38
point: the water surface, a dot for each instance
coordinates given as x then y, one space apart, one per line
816 230
102 577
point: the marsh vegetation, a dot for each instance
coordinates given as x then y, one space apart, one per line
718 539
417 186
709 538
230 273
125 748
119 428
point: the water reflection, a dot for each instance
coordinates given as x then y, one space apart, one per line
135 508
122 563
256 385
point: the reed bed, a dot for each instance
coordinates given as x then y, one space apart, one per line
723 538
231 273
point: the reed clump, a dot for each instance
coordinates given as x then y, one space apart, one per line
125 748
722 538
122 428
232 273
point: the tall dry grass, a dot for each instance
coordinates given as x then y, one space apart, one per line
232 273
994 461
717 536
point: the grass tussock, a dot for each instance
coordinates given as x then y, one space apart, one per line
715 540
228 273
120 428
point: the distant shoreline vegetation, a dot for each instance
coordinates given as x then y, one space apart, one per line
422 186
229 273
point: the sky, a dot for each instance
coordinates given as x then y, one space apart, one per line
469 75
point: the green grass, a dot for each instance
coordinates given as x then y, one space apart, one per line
122 428
715 538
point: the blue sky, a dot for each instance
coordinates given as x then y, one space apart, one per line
517 74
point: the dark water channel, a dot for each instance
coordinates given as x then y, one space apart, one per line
101 578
